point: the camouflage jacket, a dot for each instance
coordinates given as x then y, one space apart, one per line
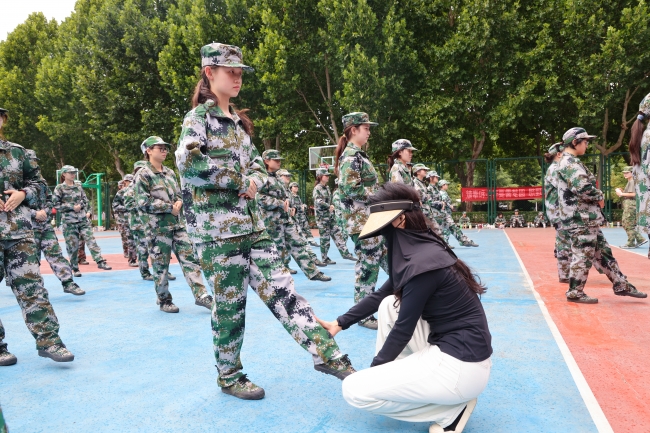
578 196
421 188
501 220
64 200
133 215
515 218
45 205
19 173
464 220
540 220
217 161
400 173
357 181
436 203
297 204
444 197
338 213
155 194
322 200
119 210
550 194
270 199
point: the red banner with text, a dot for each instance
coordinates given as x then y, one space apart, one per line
503 194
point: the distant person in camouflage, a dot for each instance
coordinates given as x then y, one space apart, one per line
540 220
448 225
580 213
628 199
399 161
326 219
70 201
24 189
500 221
358 181
562 250
517 220
158 198
464 222
302 220
221 172
340 223
436 204
122 219
273 201
47 242
420 172
640 161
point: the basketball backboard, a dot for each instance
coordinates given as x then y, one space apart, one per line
321 156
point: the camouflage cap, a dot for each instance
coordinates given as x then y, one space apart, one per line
128 178
432 173
217 54
644 107
322 172
418 167
464 213
139 164
357 118
120 182
151 142
271 154
31 155
576 133
68 169
292 184
283 172
627 169
443 182
402 143
516 210
556 148
3 111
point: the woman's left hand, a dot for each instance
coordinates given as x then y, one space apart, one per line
332 327
15 200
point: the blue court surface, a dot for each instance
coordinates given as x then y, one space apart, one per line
138 369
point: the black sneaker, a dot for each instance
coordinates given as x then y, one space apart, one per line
133 264
370 323
349 256
244 389
73 289
319 263
339 368
147 277
564 280
583 300
292 271
205 301
57 353
170 277
329 261
76 273
7 358
168 307
313 244
642 243
627 247
631 292
470 243
83 262
459 423
104 266
321 277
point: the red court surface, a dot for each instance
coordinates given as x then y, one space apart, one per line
610 341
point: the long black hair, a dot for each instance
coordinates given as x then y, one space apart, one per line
416 220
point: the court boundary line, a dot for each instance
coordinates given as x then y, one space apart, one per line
596 412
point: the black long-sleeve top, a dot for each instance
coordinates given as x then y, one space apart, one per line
431 289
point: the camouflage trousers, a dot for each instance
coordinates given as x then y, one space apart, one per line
73 232
303 224
19 259
47 243
328 229
563 254
230 266
82 251
128 243
629 223
291 244
161 245
589 247
141 242
449 227
371 255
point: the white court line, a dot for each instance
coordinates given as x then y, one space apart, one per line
597 414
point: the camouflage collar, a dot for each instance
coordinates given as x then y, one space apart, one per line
400 162
216 111
4 144
355 148
154 169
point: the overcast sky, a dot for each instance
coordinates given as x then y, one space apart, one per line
14 12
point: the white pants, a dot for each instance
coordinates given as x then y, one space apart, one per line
422 384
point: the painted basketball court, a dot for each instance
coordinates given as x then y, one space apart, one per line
557 367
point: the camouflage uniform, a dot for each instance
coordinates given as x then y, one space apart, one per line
400 173
156 192
641 174
448 225
581 216
340 224
136 224
434 200
629 216
271 198
357 181
325 219
540 220
75 224
19 256
218 161
500 221
464 221
122 219
302 222
517 221
562 250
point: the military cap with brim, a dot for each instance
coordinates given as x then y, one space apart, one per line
432 173
31 155
443 182
68 169
128 178
402 144
271 154
627 169
556 147
3 110
382 214
292 184
283 172
357 118
217 54
139 164
418 167
322 172
576 133
151 142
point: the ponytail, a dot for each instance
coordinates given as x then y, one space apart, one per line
340 147
635 139
549 157
391 159
318 178
203 93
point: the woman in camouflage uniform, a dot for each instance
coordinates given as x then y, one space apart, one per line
70 201
121 217
325 218
221 171
640 161
449 227
398 162
357 181
158 198
24 188
562 251
302 222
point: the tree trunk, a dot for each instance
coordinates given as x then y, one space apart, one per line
118 163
